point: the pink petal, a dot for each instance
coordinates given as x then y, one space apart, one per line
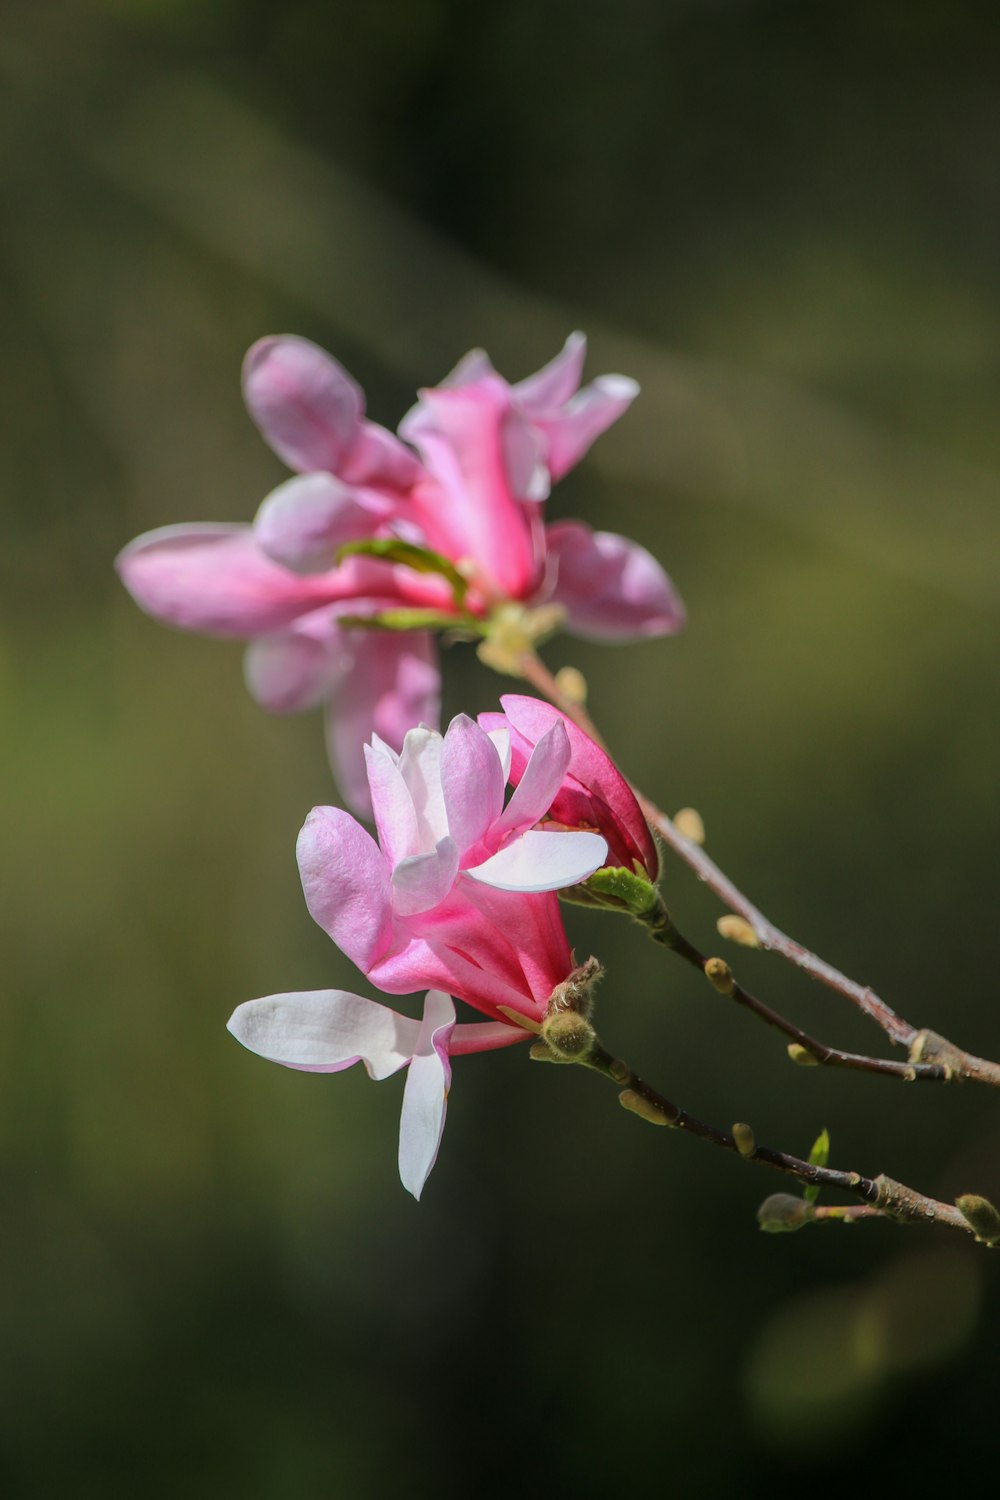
324 1031
295 669
346 883
307 407
379 460
392 805
425 1097
472 781
485 1036
470 368
591 767
468 509
541 861
215 579
571 431
611 588
539 783
554 384
424 880
304 522
388 682
420 768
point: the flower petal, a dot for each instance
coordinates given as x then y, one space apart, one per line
556 382
304 521
422 881
306 406
425 1097
215 579
570 432
346 883
472 781
295 669
542 778
388 681
610 587
324 1031
541 861
420 768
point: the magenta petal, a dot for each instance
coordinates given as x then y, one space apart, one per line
304 521
307 407
389 682
215 579
555 383
325 1031
570 432
346 884
472 780
611 588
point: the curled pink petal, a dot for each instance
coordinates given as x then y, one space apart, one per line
542 777
570 432
346 884
610 587
422 881
325 1031
558 381
307 407
304 522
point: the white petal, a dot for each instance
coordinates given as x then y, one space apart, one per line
423 881
501 743
425 1097
420 765
323 1031
541 861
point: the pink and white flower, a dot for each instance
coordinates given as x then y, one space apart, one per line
325 1031
468 483
458 892
593 792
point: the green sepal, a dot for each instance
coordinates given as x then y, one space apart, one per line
421 559
818 1157
615 886
399 619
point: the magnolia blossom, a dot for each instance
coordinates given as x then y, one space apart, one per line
467 483
458 893
593 793
325 1031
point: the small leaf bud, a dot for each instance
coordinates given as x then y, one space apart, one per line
744 1138
689 823
737 930
572 684
783 1213
802 1056
644 1108
980 1213
720 975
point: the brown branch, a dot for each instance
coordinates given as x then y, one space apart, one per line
924 1046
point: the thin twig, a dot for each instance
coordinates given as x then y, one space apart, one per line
924 1047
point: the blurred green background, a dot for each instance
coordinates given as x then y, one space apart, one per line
783 219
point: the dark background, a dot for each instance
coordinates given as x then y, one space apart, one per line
782 219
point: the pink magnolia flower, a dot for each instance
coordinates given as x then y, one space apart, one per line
593 793
471 489
325 1031
458 893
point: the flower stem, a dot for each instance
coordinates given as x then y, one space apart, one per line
925 1047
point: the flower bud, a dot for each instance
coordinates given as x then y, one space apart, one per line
744 1138
569 1035
720 975
802 1056
689 823
737 930
783 1213
980 1213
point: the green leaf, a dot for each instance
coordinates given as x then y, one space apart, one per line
421 559
818 1157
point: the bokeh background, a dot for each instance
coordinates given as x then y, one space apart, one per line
783 219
